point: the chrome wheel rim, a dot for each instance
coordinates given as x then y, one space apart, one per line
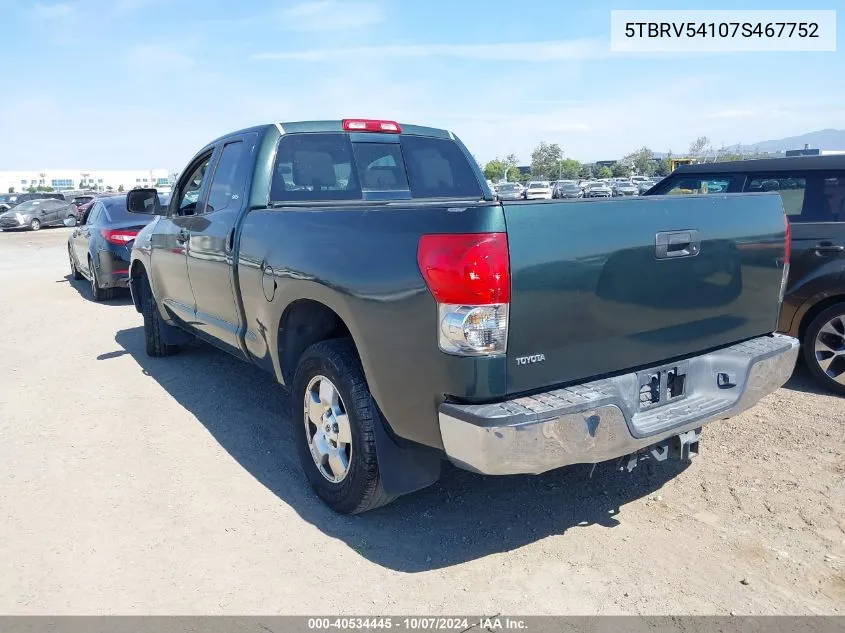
829 348
327 429
35 225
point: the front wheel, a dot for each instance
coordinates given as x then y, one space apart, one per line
153 324
824 348
35 225
334 415
74 271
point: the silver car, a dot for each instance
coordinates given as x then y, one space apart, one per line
597 190
509 191
625 189
34 214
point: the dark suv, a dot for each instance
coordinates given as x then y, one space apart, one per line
813 193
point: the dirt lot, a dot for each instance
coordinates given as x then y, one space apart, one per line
132 485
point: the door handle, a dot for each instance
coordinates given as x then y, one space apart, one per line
671 244
183 236
826 248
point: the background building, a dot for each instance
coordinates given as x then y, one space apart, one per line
68 179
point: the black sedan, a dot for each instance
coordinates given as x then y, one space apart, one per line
100 247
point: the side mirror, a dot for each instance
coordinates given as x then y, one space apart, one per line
143 201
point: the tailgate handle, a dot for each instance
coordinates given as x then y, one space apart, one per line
673 244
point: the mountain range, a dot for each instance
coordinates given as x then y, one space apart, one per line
820 139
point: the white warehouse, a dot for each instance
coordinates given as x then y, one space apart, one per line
96 179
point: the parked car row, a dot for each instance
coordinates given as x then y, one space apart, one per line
35 210
572 189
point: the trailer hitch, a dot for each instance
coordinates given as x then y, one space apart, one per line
680 447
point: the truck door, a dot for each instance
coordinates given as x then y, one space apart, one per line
171 283
209 249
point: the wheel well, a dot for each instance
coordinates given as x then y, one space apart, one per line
137 271
304 323
819 307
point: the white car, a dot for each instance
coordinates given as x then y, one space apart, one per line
538 190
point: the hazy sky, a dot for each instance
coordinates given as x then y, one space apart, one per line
145 83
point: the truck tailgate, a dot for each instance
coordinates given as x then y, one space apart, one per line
602 286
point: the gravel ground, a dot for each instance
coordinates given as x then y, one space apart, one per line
133 485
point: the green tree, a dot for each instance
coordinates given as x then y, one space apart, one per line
120 188
82 184
512 164
31 189
11 190
662 167
642 161
620 169
569 168
698 146
604 172
545 160
495 169
585 172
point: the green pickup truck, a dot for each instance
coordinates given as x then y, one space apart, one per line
414 318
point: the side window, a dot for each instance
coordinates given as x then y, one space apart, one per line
189 191
834 192
694 184
227 186
791 189
825 198
93 212
314 167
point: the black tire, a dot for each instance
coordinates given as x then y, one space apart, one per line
153 324
98 293
361 489
35 224
74 271
834 316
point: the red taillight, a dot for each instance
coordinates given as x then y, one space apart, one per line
788 247
371 125
119 236
469 268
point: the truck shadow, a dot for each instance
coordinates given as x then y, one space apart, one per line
461 518
83 287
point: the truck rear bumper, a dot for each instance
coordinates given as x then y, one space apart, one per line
612 417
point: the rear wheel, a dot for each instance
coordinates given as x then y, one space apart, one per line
824 348
35 225
73 220
98 293
334 415
153 324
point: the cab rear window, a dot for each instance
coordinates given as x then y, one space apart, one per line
329 166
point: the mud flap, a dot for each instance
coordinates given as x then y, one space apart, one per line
403 469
